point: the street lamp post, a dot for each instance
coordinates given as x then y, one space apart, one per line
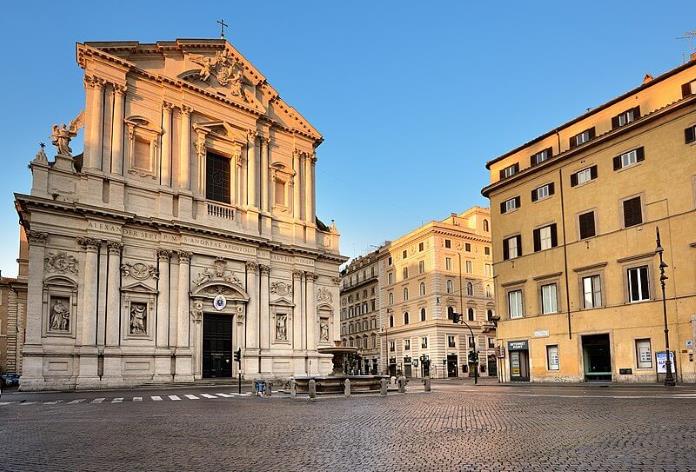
459 318
669 378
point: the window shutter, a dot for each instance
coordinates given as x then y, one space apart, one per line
502 174
549 152
518 202
592 132
640 154
516 167
615 122
587 226
537 240
534 195
573 180
690 134
686 89
551 188
519 245
506 249
554 236
593 172
617 163
636 112
502 208
572 141
532 161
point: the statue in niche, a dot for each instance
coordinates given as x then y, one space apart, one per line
60 315
138 318
324 330
281 327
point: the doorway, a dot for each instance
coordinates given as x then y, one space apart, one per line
408 370
519 361
451 365
492 366
596 356
217 346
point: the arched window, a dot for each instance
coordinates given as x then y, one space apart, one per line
489 315
406 318
470 314
391 298
422 314
422 288
405 294
391 321
470 289
450 286
489 293
450 312
485 225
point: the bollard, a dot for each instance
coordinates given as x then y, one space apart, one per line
402 384
346 388
312 388
293 388
383 384
426 384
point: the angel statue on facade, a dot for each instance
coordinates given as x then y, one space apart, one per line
61 135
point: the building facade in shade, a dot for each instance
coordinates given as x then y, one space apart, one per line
575 213
360 320
441 268
13 303
185 231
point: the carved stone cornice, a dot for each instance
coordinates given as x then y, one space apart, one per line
114 247
37 238
185 257
164 254
89 244
264 269
252 266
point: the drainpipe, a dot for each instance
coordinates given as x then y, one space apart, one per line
565 252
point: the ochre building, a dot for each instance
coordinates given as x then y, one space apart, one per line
184 232
441 268
575 213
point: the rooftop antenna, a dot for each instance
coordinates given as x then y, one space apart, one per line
689 36
223 25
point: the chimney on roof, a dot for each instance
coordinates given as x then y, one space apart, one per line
647 79
693 56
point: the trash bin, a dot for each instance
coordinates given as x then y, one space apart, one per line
260 387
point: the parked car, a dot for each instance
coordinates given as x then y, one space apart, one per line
8 380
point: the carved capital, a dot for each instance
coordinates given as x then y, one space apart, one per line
252 266
185 257
251 135
298 274
311 275
119 89
336 280
169 106
37 238
164 254
94 81
264 269
186 110
114 247
89 244
266 140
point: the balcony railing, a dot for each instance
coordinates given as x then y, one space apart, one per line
220 211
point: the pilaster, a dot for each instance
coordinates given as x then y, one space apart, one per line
166 172
252 321
163 362
184 361
86 344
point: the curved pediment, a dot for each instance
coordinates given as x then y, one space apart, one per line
60 280
213 288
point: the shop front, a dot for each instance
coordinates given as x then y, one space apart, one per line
519 361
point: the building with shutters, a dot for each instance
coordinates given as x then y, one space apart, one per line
185 231
575 214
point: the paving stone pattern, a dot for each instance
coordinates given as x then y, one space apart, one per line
414 432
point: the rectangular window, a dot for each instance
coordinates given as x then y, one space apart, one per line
638 284
549 299
542 192
512 247
689 88
552 357
545 238
424 342
592 291
583 176
515 304
469 267
390 278
540 157
389 261
488 270
467 247
582 138
448 263
643 354
217 180
450 341
421 246
690 134
586 222
491 343
510 204
509 171
629 158
404 272
404 254
487 250
392 346
421 267
407 344
448 243
633 213
622 119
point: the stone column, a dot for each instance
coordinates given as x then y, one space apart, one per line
183 319
234 163
166 173
265 162
308 179
251 351
185 149
89 292
297 310
173 299
264 308
113 284
163 294
297 185
312 188
251 162
94 131
117 130
311 313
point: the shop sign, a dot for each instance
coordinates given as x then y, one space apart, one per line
541 333
518 346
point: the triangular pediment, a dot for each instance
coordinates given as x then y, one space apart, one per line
212 67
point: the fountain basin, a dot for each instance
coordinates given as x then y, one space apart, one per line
334 384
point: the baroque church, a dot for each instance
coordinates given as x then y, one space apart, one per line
184 232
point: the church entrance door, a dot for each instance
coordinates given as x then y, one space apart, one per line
217 346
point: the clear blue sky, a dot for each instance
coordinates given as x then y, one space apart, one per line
412 97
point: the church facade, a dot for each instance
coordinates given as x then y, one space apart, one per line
184 232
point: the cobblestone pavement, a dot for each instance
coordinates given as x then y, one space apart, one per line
455 427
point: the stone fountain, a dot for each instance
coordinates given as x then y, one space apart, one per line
334 383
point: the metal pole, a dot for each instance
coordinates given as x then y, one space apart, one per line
669 378
473 345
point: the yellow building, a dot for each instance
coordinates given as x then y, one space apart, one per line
440 268
574 214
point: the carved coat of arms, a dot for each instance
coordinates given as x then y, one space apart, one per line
226 70
61 262
218 271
